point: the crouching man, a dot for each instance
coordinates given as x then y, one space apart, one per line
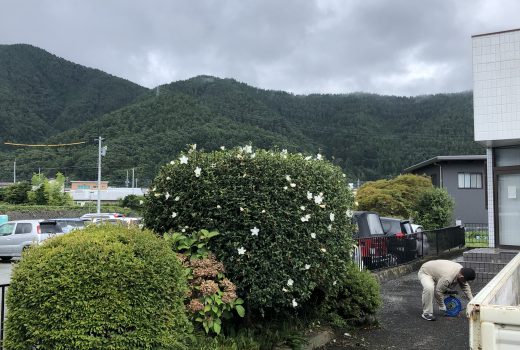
437 278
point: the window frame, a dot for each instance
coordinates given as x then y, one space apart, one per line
468 179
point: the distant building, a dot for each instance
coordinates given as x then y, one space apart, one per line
109 195
88 185
464 179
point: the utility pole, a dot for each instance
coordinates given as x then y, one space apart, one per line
127 181
133 176
14 171
101 152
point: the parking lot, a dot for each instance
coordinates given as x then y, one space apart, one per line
401 325
5 271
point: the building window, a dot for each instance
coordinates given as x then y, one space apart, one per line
83 187
470 180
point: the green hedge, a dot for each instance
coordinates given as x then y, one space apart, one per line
106 287
283 218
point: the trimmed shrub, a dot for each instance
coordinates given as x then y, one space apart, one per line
434 209
394 197
105 287
283 219
359 296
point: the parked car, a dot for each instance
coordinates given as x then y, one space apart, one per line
15 236
423 247
371 239
92 216
69 224
402 240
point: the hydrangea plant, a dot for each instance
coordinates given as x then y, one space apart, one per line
284 219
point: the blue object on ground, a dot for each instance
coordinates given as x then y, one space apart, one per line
453 306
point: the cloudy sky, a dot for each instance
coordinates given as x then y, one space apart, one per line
396 47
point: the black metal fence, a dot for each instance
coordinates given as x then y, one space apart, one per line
381 252
3 309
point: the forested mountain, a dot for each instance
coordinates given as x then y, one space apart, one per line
42 94
369 136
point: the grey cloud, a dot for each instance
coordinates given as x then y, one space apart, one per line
402 47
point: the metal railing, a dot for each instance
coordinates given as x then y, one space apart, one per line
476 235
3 309
382 252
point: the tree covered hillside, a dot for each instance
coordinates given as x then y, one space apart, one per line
369 136
42 94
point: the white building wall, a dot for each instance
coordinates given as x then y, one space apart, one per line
496 86
490 199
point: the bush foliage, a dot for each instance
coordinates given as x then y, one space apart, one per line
394 197
105 287
358 298
434 209
283 219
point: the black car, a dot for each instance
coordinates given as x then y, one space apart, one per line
372 243
402 239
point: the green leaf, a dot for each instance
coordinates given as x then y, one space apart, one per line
240 310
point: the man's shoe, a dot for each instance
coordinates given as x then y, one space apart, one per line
442 308
428 317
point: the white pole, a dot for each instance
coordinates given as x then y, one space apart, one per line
14 171
99 177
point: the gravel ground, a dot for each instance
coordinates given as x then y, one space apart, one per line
401 325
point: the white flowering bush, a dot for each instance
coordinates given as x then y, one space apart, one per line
284 219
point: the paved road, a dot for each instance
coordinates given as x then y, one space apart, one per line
5 272
401 325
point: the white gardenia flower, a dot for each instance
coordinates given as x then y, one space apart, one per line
248 149
253 155
285 188
313 235
194 147
174 215
222 147
329 227
254 231
292 184
197 171
331 216
157 195
218 206
184 159
241 251
319 198
172 162
305 218
141 202
294 303
284 289
167 195
349 213
323 250
302 207
309 195
319 156
334 283
308 158
284 151
168 178
176 198
288 178
307 266
290 282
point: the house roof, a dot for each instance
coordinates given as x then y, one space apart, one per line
499 32
445 159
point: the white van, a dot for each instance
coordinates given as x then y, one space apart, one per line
15 236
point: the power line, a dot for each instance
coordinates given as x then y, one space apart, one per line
44 145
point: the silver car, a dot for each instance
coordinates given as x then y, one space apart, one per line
15 236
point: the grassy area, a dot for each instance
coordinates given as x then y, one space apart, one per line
477 238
